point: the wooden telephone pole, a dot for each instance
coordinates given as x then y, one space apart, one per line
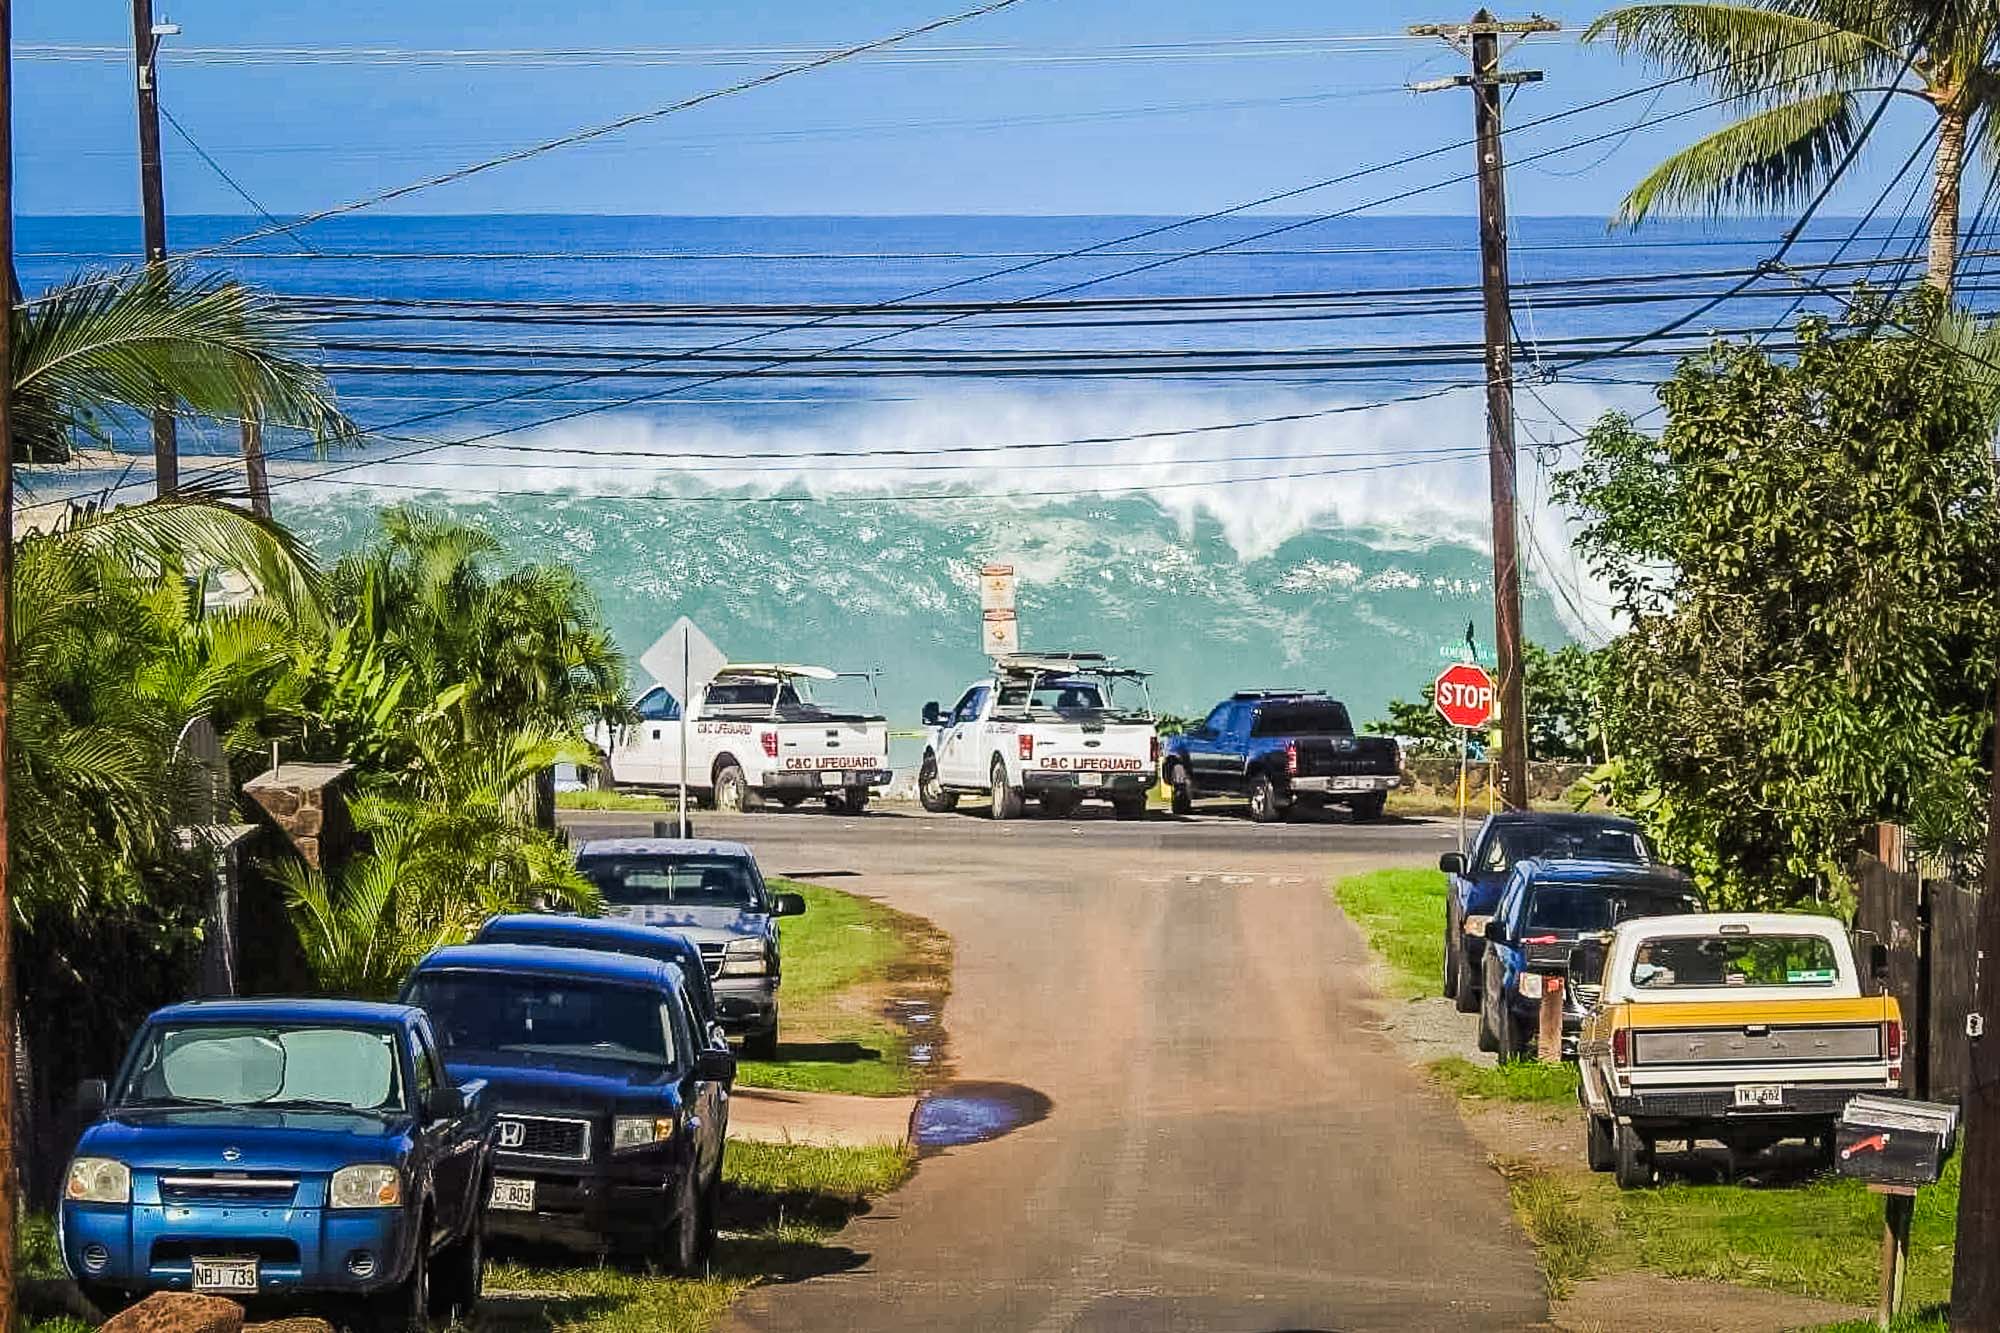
1975 1276
1480 40
152 203
8 1156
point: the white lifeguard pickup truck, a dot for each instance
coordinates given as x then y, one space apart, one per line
756 733
1047 727
1746 1028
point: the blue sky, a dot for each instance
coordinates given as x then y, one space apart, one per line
999 133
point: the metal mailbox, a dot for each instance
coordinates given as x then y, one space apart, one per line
1890 1141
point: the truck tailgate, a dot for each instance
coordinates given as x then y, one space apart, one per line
819 746
1084 748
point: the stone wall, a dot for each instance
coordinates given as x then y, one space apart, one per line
1546 781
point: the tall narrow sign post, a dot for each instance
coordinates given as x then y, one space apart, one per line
686 655
1463 696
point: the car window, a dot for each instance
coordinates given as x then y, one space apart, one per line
1063 696
1218 719
1686 962
428 1074
1511 843
1592 907
514 1014
1508 911
659 706
267 1065
968 707
1316 717
639 879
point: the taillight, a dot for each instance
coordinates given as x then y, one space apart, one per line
770 739
1292 757
1892 1032
1621 1047
1027 745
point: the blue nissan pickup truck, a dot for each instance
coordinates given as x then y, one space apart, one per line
1281 750
612 1100
316 1150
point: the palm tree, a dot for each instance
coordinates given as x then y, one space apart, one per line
108 344
1799 70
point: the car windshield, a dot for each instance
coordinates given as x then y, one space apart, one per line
1320 718
1058 695
307 1066
1692 961
1590 907
529 1015
680 881
1588 842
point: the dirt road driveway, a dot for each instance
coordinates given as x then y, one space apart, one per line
1227 1145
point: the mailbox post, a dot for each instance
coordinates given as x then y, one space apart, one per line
1897 1147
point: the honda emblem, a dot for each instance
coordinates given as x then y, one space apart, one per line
512 1133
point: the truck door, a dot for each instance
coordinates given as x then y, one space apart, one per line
650 744
960 759
1215 751
453 1153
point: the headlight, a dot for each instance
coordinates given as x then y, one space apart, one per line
631 1131
745 958
365 1187
1476 925
98 1180
1531 985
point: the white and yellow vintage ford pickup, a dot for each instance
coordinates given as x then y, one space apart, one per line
1745 1028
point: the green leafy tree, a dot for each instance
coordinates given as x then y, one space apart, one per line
1806 556
1562 689
1798 71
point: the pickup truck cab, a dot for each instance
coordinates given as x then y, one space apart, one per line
1546 910
303 1149
713 894
612 1103
582 932
1280 750
1047 727
1478 876
756 733
1746 1028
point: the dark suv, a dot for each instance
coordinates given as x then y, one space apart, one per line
1480 873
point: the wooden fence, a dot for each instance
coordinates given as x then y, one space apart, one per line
1927 925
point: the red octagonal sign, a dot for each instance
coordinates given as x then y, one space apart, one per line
1464 695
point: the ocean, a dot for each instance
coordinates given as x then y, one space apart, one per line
836 508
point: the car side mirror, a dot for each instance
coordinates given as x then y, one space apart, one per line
1452 863
1496 931
714 1066
932 715
787 904
443 1102
91 1098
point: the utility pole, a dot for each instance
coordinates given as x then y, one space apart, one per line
255 474
152 204
1480 40
1975 1277
8 1157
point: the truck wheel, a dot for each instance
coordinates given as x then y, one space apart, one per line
1129 807
1183 789
930 792
1597 1142
1265 807
1509 1036
853 801
407 1308
1631 1158
461 1273
1465 995
762 1045
1367 809
732 791
1487 1041
1451 957
1007 801
682 1253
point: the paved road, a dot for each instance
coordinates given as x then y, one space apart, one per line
1231 1147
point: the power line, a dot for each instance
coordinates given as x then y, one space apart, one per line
232 182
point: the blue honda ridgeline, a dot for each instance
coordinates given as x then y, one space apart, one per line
283 1148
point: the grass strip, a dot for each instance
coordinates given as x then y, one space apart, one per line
1401 912
596 799
1514 1081
1567 1219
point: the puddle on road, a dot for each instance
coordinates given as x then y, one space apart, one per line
962 1113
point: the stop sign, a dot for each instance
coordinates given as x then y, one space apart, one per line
1464 695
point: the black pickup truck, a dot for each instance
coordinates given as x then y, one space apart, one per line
1281 749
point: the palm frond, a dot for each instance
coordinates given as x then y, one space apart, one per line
1764 161
195 530
1750 53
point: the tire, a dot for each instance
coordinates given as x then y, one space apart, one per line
1182 786
930 794
1453 956
1265 807
1509 1036
1631 1158
461 1273
853 801
1487 1041
1059 805
710 1202
681 1253
1367 809
1007 800
762 1045
1466 995
732 791
1129 807
406 1308
1597 1142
